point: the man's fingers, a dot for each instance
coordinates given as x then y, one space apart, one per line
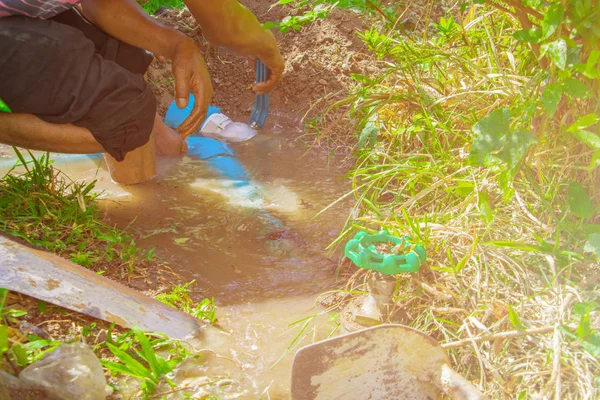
268 85
276 65
182 86
198 114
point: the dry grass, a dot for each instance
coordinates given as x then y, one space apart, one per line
506 264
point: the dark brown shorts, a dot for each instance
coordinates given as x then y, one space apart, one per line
66 70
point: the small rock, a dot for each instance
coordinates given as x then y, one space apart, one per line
71 372
323 82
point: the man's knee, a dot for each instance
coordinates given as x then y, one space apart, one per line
129 127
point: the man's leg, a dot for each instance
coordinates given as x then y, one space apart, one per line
136 60
73 92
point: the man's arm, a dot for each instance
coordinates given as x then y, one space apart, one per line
229 24
127 21
30 132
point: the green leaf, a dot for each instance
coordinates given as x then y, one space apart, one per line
516 146
551 97
283 2
362 79
119 368
577 129
514 318
595 163
269 25
552 20
490 133
593 245
592 344
368 136
3 339
137 368
533 35
149 353
584 122
21 355
580 201
589 138
181 240
494 140
484 206
584 328
557 51
585 307
576 89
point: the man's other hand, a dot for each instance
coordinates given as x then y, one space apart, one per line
270 56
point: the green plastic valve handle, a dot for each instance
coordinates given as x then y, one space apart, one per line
363 252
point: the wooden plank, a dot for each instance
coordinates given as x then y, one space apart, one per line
58 281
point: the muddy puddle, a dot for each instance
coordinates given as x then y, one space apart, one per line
261 257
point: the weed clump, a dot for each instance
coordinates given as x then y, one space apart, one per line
43 207
480 139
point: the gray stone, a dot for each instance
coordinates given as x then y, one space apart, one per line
71 372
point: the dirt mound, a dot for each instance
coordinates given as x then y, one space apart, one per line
319 61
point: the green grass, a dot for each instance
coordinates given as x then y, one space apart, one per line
460 144
151 6
43 207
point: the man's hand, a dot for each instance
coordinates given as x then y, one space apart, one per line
270 56
191 75
126 21
229 24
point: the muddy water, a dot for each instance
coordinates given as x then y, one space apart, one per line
262 259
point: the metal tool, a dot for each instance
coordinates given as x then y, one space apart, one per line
261 102
383 362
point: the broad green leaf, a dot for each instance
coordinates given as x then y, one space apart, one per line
557 51
514 318
551 97
484 206
463 189
592 344
580 201
552 20
589 138
576 89
584 122
283 2
593 244
269 25
490 135
577 129
533 35
585 307
516 146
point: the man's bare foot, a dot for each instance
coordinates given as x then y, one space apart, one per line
168 142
